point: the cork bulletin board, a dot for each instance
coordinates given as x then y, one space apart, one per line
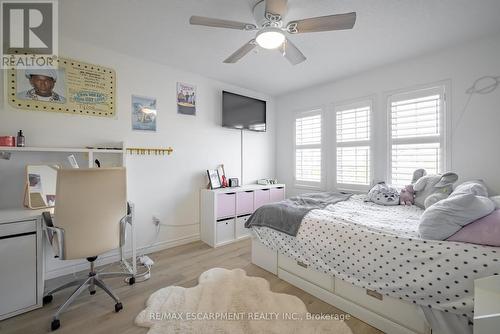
74 87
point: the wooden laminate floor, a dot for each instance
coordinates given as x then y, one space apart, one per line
175 266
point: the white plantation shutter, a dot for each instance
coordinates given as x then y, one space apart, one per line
416 126
353 144
308 148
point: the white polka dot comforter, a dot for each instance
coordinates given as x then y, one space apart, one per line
377 247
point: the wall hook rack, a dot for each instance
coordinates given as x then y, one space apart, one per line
149 151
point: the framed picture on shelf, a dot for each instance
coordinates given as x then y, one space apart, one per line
213 177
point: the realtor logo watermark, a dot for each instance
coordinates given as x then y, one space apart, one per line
29 34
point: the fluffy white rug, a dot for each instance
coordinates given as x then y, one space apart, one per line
229 301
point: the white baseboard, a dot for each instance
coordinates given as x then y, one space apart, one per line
114 256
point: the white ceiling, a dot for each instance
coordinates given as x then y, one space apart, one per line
386 31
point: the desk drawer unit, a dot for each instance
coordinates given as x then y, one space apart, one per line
226 205
18 260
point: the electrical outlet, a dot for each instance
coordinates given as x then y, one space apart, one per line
156 220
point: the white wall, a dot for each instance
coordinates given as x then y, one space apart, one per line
475 151
167 187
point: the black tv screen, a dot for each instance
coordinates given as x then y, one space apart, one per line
242 112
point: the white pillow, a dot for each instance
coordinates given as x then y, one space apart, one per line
444 218
476 187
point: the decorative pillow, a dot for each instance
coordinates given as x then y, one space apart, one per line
476 187
446 217
383 194
484 231
441 185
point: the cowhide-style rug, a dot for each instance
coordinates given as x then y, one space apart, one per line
229 301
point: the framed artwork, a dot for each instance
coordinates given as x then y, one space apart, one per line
186 99
213 177
72 87
144 113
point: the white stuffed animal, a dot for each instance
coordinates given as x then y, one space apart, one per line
430 189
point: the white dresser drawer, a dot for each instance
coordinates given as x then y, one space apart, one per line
398 311
303 271
225 230
241 231
18 228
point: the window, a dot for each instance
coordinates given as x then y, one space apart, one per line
353 144
416 122
308 149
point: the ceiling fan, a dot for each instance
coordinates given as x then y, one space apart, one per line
271 30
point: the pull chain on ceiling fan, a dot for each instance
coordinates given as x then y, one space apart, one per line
271 32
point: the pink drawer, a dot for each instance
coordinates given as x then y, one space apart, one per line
261 197
277 194
244 202
226 205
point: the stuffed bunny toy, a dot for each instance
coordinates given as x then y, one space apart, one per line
430 189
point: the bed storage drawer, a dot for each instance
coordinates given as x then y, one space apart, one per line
226 205
394 309
303 271
225 230
244 203
240 230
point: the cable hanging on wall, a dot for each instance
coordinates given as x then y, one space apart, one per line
482 86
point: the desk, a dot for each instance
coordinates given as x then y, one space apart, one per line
21 261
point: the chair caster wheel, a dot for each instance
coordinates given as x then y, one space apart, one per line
47 299
118 307
92 292
55 324
131 281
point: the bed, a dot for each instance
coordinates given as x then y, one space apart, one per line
368 260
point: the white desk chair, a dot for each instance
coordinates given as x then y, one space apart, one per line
89 219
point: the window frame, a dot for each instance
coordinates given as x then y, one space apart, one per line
309 184
346 105
443 89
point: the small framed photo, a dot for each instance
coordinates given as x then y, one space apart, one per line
213 177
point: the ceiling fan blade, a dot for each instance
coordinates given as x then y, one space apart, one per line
322 23
276 9
241 52
292 53
218 23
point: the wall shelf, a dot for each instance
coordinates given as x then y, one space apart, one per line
60 149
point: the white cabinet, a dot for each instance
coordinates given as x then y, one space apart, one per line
224 211
21 276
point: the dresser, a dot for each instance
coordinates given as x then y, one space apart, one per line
21 261
224 211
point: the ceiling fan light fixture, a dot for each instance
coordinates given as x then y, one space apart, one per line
270 38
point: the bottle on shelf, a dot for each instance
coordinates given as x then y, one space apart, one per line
21 140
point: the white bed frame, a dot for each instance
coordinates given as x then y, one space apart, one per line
388 314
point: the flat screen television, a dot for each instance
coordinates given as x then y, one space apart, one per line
243 112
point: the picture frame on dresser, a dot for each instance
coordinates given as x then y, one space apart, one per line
214 178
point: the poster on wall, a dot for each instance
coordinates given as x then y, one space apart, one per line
144 113
74 87
186 99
